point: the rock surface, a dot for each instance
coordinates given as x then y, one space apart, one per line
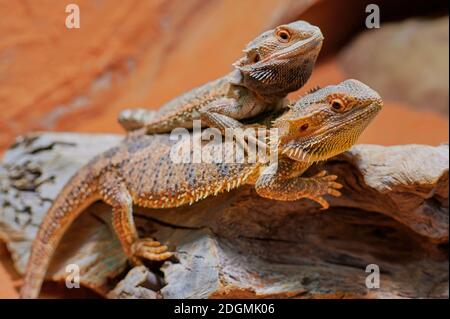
393 213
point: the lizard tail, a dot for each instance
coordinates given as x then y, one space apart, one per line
78 194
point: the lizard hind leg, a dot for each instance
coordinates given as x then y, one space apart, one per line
115 193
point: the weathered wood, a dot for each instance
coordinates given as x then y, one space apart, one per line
393 213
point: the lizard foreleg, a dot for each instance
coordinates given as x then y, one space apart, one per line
284 183
221 115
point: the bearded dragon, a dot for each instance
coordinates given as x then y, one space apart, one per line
277 62
140 171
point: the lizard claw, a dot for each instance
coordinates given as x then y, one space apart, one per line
330 187
321 174
322 201
150 249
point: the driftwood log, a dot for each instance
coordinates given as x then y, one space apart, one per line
393 213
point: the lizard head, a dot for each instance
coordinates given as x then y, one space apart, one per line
327 121
281 60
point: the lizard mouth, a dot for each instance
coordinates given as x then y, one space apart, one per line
313 43
331 140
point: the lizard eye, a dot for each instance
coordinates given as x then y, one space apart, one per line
256 58
283 35
337 105
304 127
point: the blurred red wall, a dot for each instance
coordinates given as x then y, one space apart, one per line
142 53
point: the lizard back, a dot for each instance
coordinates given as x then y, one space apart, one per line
155 177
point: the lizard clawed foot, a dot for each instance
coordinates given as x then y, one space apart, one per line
328 186
150 249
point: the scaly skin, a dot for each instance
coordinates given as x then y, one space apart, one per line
140 171
277 62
